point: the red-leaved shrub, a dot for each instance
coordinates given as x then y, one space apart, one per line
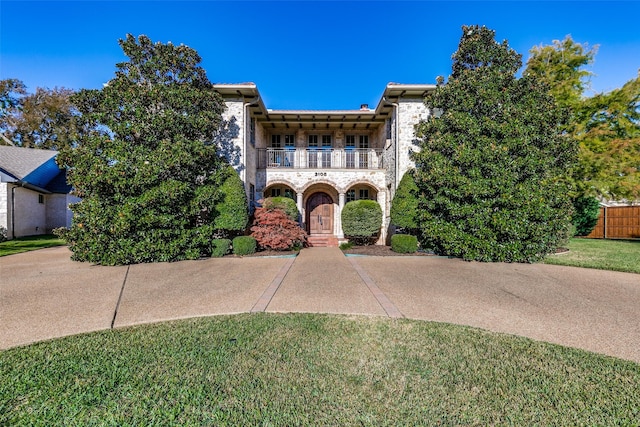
273 229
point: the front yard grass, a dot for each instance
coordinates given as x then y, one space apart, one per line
616 255
310 369
30 243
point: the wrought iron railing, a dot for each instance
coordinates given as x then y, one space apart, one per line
330 158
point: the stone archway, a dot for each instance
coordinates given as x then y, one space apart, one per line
319 218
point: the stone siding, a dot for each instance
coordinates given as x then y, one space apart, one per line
412 111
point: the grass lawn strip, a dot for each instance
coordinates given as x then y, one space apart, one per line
615 255
309 369
31 243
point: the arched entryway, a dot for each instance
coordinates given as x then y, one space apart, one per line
319 216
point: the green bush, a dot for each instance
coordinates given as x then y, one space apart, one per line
233 215
361 220
404 243
585 215
346 245
284 203
404 205
220 247
244 245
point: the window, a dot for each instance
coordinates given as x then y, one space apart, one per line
252 194
275 192
350 142
357 193
40 198
364 141
326 141
313 141
252 131
290 141
275 141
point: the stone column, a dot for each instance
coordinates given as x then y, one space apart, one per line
299 203
341 198
382 201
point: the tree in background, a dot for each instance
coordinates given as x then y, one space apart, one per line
490 168
607 126
561 67
148 170
45 119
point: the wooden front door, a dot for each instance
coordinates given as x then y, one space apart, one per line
320 214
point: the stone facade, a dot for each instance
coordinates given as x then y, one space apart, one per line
343 154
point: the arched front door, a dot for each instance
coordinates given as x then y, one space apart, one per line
320 214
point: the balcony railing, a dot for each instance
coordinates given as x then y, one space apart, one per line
360 158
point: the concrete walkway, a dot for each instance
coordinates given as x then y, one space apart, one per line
43 295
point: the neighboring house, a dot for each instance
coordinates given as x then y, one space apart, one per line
34 194
323 159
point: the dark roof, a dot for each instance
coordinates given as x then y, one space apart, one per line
20 162
59 183
35 167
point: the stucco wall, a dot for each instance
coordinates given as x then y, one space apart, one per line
4 207
30 215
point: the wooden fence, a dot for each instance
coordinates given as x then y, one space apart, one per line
617 222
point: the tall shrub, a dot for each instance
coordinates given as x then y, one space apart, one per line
232 213
491 168
361 220
146 165
404 206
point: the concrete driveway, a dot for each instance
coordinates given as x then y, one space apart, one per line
43 295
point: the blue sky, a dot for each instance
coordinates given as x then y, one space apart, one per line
304 55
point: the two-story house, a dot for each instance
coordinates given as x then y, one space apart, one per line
323 159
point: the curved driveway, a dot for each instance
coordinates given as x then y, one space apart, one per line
45 295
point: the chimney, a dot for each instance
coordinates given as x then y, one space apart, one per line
364 106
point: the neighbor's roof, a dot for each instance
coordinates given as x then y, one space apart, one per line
30 165
20 162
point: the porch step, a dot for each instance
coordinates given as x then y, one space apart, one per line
322 241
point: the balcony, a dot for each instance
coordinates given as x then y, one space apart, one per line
329 158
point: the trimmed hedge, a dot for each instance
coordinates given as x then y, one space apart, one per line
244 245
361 220
286 204
404 243
220 247
233 215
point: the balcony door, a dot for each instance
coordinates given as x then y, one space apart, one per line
320 214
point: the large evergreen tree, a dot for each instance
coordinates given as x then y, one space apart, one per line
148 172
490 168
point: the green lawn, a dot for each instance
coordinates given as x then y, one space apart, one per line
310 369
617 255
31 243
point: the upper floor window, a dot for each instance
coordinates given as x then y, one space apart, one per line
252 131
289 141
326 141
364 141
350 142
313 141
276 141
